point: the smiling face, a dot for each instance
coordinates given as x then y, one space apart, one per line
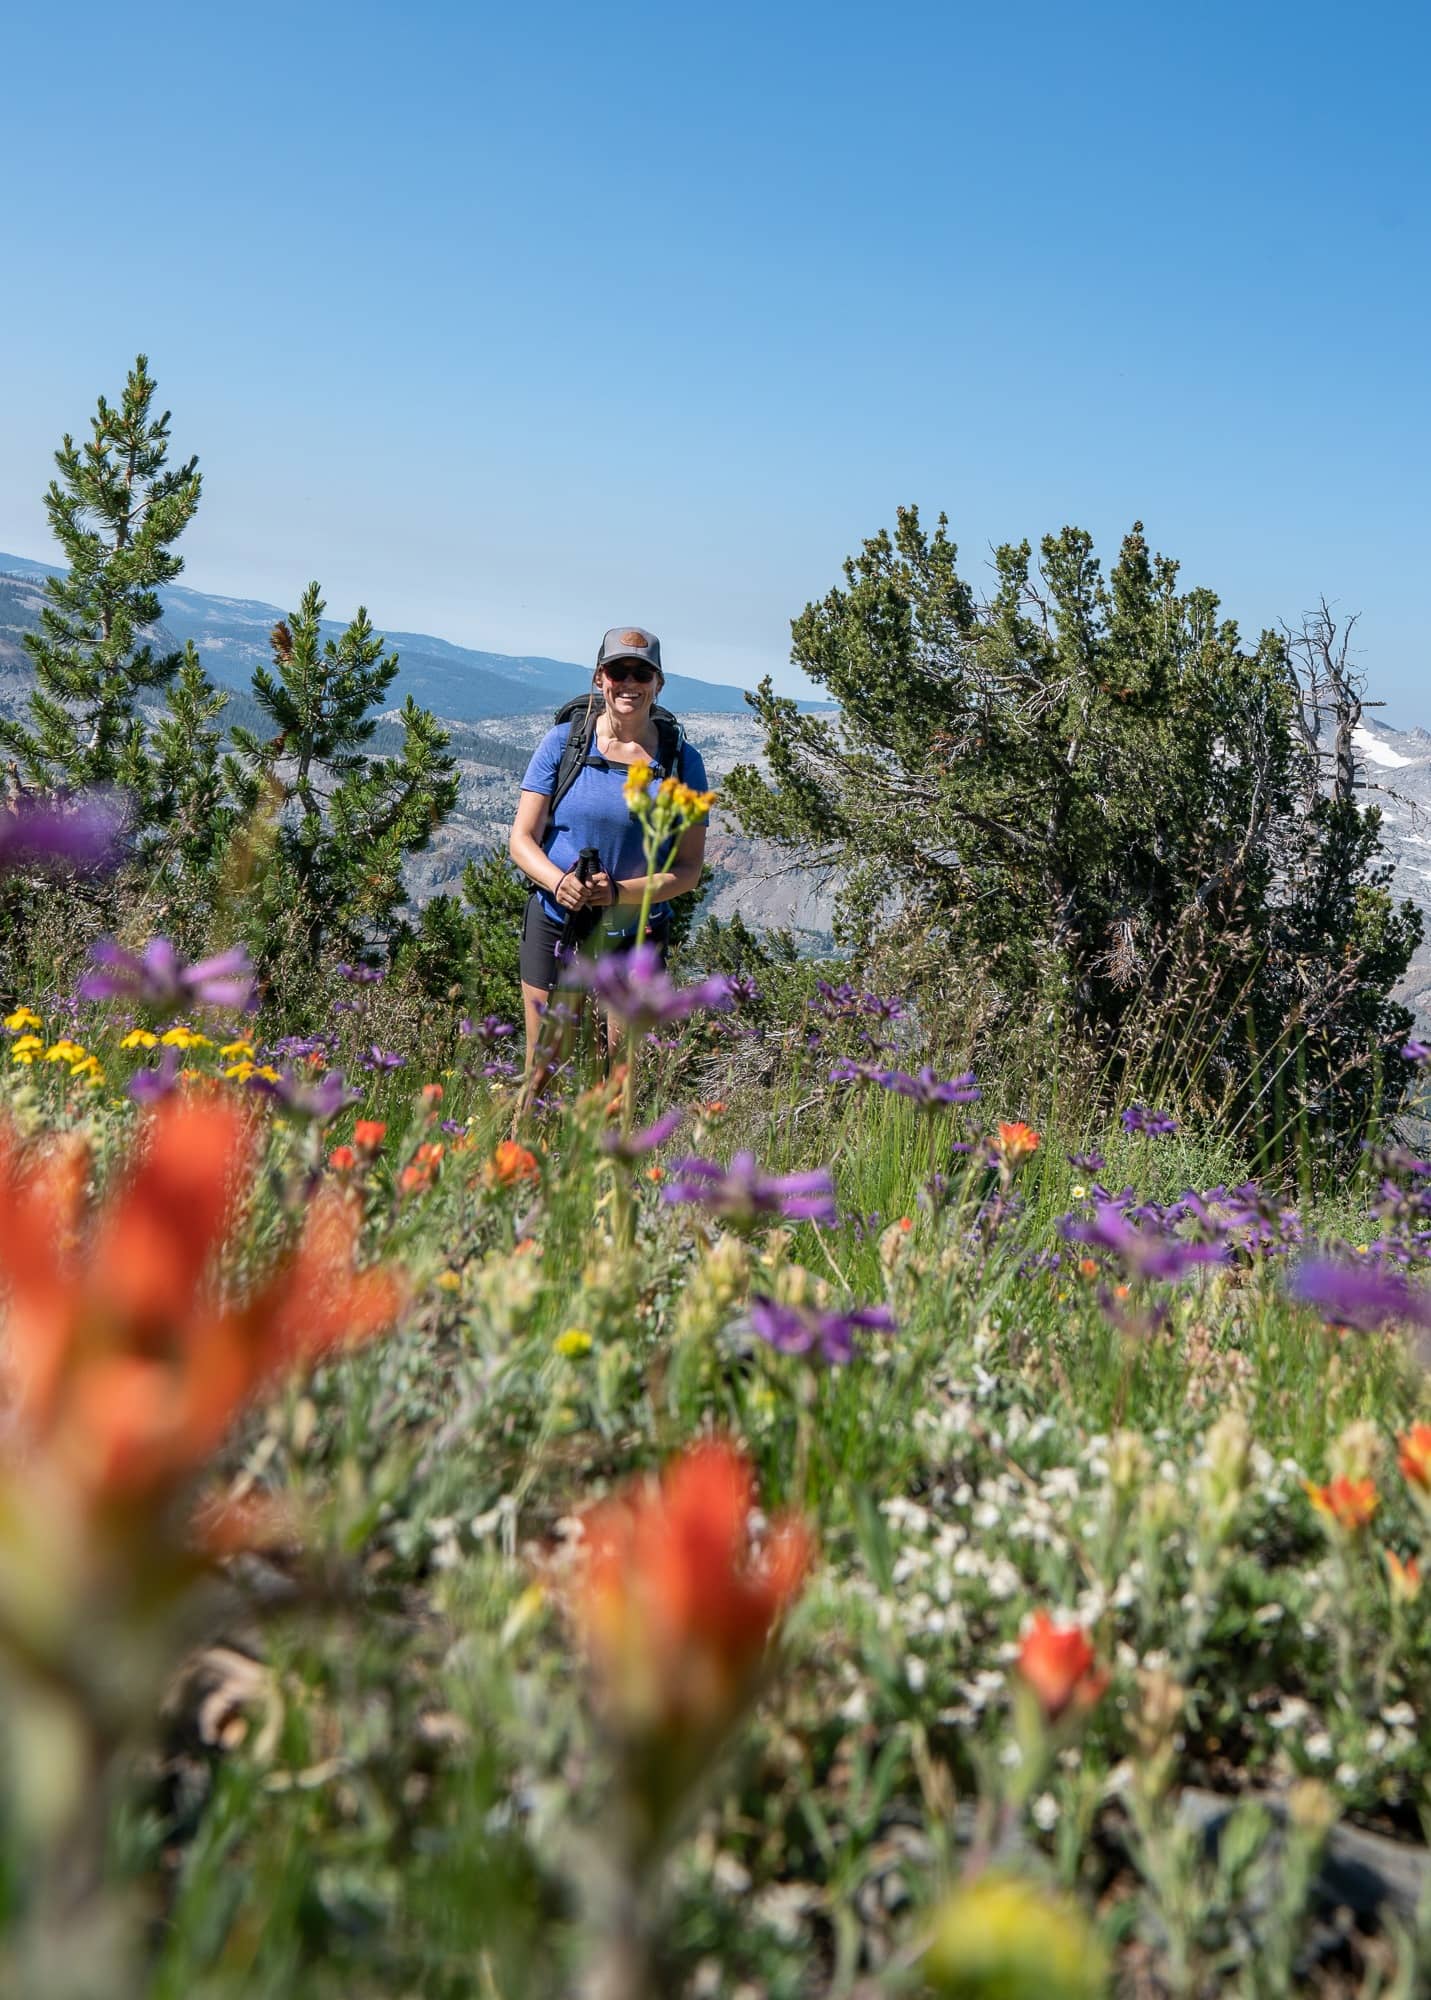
630 688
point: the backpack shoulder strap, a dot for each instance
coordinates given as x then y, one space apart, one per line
670 742
580 716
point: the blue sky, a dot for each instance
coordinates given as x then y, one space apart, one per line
517 323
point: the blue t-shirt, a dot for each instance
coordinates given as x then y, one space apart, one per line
594 813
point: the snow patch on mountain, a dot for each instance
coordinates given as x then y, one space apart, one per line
1374 751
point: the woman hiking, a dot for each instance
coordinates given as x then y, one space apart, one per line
573 800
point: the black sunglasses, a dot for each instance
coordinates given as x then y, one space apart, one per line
629 671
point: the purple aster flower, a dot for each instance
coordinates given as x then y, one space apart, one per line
742 1195
316 1101
1145 1252
1087 1163
454 1126
803 1330
880 1009
488 1031
362 975
1416 1052
635 1144
301 1048
742 989
500 1067
635 986
846 1070
1347 1294
159 981
50 834
382 1059
151 1086
1151 1124
841 999
927 1091
1258 1223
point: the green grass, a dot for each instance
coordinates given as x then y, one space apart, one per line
423 1817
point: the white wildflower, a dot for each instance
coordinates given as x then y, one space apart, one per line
1004 1581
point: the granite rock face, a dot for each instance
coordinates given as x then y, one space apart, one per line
1394 771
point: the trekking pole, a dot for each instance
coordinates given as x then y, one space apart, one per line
577 926
573 931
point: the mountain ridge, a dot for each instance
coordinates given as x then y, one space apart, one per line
460 682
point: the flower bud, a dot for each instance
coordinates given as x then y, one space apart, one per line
1160 1508
1356 1452
1057 1663
1001 1938
1403 1578
1129 1463
1311 1809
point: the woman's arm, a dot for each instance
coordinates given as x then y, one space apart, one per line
524 844
679 880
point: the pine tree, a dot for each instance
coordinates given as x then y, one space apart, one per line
496 896
198 817
347 819
1085 800
116 510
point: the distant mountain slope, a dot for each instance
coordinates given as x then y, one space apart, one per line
1395 767
469 686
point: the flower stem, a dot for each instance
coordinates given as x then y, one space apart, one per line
649 842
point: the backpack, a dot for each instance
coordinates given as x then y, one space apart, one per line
580 714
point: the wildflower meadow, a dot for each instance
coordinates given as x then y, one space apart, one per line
880 1528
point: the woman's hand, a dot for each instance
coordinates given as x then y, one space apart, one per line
571 894
601 891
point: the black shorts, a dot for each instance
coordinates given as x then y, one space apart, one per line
541 935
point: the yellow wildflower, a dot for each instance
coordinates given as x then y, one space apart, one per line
140 1038
268 1074
692 805
240 1072
637 787
448 1281
181 1037
239 1050
572 1344
66 1051
27 1045
89 1069
23 1017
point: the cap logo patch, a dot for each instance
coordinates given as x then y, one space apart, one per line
633 638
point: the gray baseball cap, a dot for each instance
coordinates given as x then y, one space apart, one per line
630 642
